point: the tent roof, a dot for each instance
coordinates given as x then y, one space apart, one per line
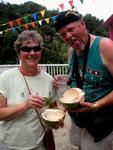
109 21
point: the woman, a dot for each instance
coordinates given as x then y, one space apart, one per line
22 90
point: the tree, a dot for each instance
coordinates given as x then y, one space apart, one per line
94 25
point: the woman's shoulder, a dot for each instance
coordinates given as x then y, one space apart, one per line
10 72
46 74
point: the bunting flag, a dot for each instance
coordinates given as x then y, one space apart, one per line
11 23
81 1
61 6
33 24
47 20
18 21
34 16
71 3
13 30
54 18
26 19
40 22
42 13
19 29
26 26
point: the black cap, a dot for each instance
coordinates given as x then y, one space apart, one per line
65 18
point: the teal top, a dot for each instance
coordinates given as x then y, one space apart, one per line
97 80
97 84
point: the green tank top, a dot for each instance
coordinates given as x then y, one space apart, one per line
97 80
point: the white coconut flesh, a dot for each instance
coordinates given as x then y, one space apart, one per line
53 114
73 95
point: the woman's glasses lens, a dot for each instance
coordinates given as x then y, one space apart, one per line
29 49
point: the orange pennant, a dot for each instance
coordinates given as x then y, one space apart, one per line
33 24
18 21
26 26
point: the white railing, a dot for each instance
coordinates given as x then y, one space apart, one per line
52 69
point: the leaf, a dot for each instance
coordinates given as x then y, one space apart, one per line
47 101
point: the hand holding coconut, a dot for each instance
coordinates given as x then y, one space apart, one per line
87 107
71 99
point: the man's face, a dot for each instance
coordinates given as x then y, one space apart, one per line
73 34
30 54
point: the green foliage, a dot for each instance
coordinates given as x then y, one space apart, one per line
54 49
8 54
95 26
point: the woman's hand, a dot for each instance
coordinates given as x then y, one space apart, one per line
34 101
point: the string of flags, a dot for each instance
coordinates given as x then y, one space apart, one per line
36 19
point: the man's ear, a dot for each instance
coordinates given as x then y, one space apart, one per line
82 22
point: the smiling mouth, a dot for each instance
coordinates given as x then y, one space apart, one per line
73 41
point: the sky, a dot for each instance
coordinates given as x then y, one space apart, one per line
101 9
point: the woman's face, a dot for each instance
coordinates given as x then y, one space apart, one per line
30 54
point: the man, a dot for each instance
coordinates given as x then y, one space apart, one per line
90 68
21 96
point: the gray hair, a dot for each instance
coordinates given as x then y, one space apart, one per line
25 37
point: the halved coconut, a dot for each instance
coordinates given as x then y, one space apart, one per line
71 98
52 116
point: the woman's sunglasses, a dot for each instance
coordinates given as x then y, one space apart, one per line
29 48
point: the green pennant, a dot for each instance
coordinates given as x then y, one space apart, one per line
26 19
19 29
81 1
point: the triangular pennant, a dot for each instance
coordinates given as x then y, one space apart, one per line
42 13
40 22
26 19
71 3
13 30
18 29
47 20
33 24
54 18
18 21
26 26
5 31
61 6
11 23
82 1
34 16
